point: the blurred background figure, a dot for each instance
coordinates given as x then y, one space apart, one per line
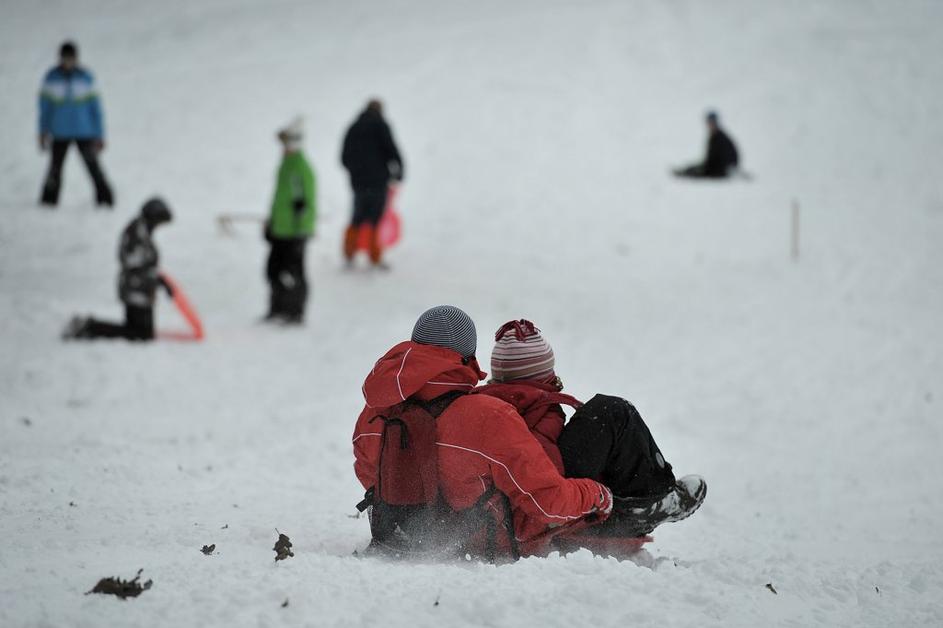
70 111
372 159
137 283
290 224
721 159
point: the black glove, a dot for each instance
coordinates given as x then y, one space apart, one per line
299 205
166 286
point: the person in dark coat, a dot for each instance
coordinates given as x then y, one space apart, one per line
721 159
372 159
137 282
70 112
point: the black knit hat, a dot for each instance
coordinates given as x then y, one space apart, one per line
155 211
449 327
69 49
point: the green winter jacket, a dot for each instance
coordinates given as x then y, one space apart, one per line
293 208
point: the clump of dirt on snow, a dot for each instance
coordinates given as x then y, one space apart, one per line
282 547
122 588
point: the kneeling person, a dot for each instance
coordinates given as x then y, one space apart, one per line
137 282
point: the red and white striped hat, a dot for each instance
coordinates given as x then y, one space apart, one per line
520 352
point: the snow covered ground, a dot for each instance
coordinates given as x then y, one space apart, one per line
537 137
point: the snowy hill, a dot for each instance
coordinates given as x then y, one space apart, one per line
537 139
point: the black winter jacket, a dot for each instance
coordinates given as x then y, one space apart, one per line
721 155
370 154
138 281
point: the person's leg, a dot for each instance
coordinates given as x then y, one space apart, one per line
374 204
608 441
300 293
293 279
695 171
139 323
53 183
272 269
94 328
103 195
282 279
359 218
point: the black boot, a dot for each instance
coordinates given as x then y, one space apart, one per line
638 516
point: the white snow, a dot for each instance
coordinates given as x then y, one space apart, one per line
537 137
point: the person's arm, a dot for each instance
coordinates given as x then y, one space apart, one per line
391 152
95 112
346 151
366 443
98 121
311 195
521 470
47 105
296 185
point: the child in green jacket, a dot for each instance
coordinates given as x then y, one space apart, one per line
290 224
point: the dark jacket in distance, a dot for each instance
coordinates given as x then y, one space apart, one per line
721 155
138 281
370 154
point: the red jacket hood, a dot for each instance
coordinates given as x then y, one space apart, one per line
531 399
411 369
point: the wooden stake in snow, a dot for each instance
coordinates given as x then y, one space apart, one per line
795 230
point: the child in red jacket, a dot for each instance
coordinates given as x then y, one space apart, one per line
605 440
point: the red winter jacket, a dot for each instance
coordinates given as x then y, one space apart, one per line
483 442
539 404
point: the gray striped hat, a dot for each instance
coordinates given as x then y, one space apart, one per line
449 327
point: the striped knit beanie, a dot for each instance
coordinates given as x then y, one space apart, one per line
449 327
520 352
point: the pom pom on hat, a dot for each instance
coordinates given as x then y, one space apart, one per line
293 135
521 353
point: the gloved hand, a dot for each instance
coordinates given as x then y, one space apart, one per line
396 171
603 506
170 291
299 205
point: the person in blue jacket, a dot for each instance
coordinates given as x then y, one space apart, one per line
70 111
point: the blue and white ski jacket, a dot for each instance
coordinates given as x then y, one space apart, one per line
69 106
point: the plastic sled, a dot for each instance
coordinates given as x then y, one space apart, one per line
187 311
389 225
586 534
614 546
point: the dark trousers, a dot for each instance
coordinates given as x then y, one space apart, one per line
138 325
368 206
285 272
700 171
608 441
51 187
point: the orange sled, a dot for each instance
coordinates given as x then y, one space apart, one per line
186 310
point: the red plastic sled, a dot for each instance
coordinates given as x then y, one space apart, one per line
580 535
186 310
389 225
617 547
